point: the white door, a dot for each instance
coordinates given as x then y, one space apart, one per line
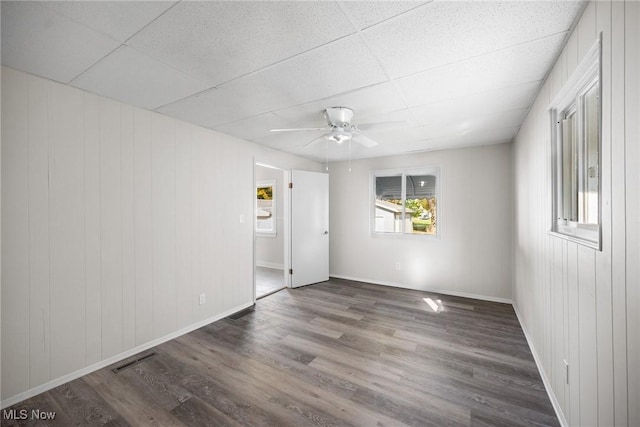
309 228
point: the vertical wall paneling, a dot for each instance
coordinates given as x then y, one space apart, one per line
92 228
15 233
143 238
112 223
127 183
245 208
603 258
565 316
618 214
196 221
111 226
574 334
632 197
586 30
199 224
39 332
227 222
559 375
587 310
163 169
66 225
183 203
599 335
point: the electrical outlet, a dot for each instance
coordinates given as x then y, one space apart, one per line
203 298
241 218
398 266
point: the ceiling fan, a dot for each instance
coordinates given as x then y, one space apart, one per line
340 129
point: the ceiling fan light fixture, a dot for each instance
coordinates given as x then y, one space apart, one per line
338 137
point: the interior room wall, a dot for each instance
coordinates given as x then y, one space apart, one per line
115 219
270 248
471 256
575 303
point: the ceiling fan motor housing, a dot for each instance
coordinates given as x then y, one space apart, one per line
339 116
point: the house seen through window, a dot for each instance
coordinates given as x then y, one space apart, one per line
406 202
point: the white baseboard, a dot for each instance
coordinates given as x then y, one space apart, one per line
543 375
267 264
433 290
113 359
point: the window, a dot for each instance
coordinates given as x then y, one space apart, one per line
576 118
266 207
406 201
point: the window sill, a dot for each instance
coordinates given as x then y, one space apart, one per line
376 234
576 239
269 234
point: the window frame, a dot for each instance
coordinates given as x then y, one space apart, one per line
572 98
272 232
403 173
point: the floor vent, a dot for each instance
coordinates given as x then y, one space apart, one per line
241 313
132 362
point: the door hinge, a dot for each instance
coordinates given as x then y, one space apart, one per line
291 271
291 185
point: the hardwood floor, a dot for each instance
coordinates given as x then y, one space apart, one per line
335 353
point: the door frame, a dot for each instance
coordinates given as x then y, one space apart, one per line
285 193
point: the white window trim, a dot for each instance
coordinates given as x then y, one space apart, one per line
403 172
588 71
273 232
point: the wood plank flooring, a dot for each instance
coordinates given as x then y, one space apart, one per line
336 353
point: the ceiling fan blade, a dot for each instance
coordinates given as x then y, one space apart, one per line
379 126
313 141
363 140
298 129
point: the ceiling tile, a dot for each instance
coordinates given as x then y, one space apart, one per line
304 78
525 63
116 19
134 78
219 41
443 32
373 100
479 104
41 42
255 127
368 13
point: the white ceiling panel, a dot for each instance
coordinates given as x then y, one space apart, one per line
255 127
378 99
41 42
368 13
203 109
521 64
313 75
219 41
134 78
455 73
443 32
116 19
480 104
457 125
290 140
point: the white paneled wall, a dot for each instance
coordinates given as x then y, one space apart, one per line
472 255
114 220
575 303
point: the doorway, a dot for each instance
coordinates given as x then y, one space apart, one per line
271 233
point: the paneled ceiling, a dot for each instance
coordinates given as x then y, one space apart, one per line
453 73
